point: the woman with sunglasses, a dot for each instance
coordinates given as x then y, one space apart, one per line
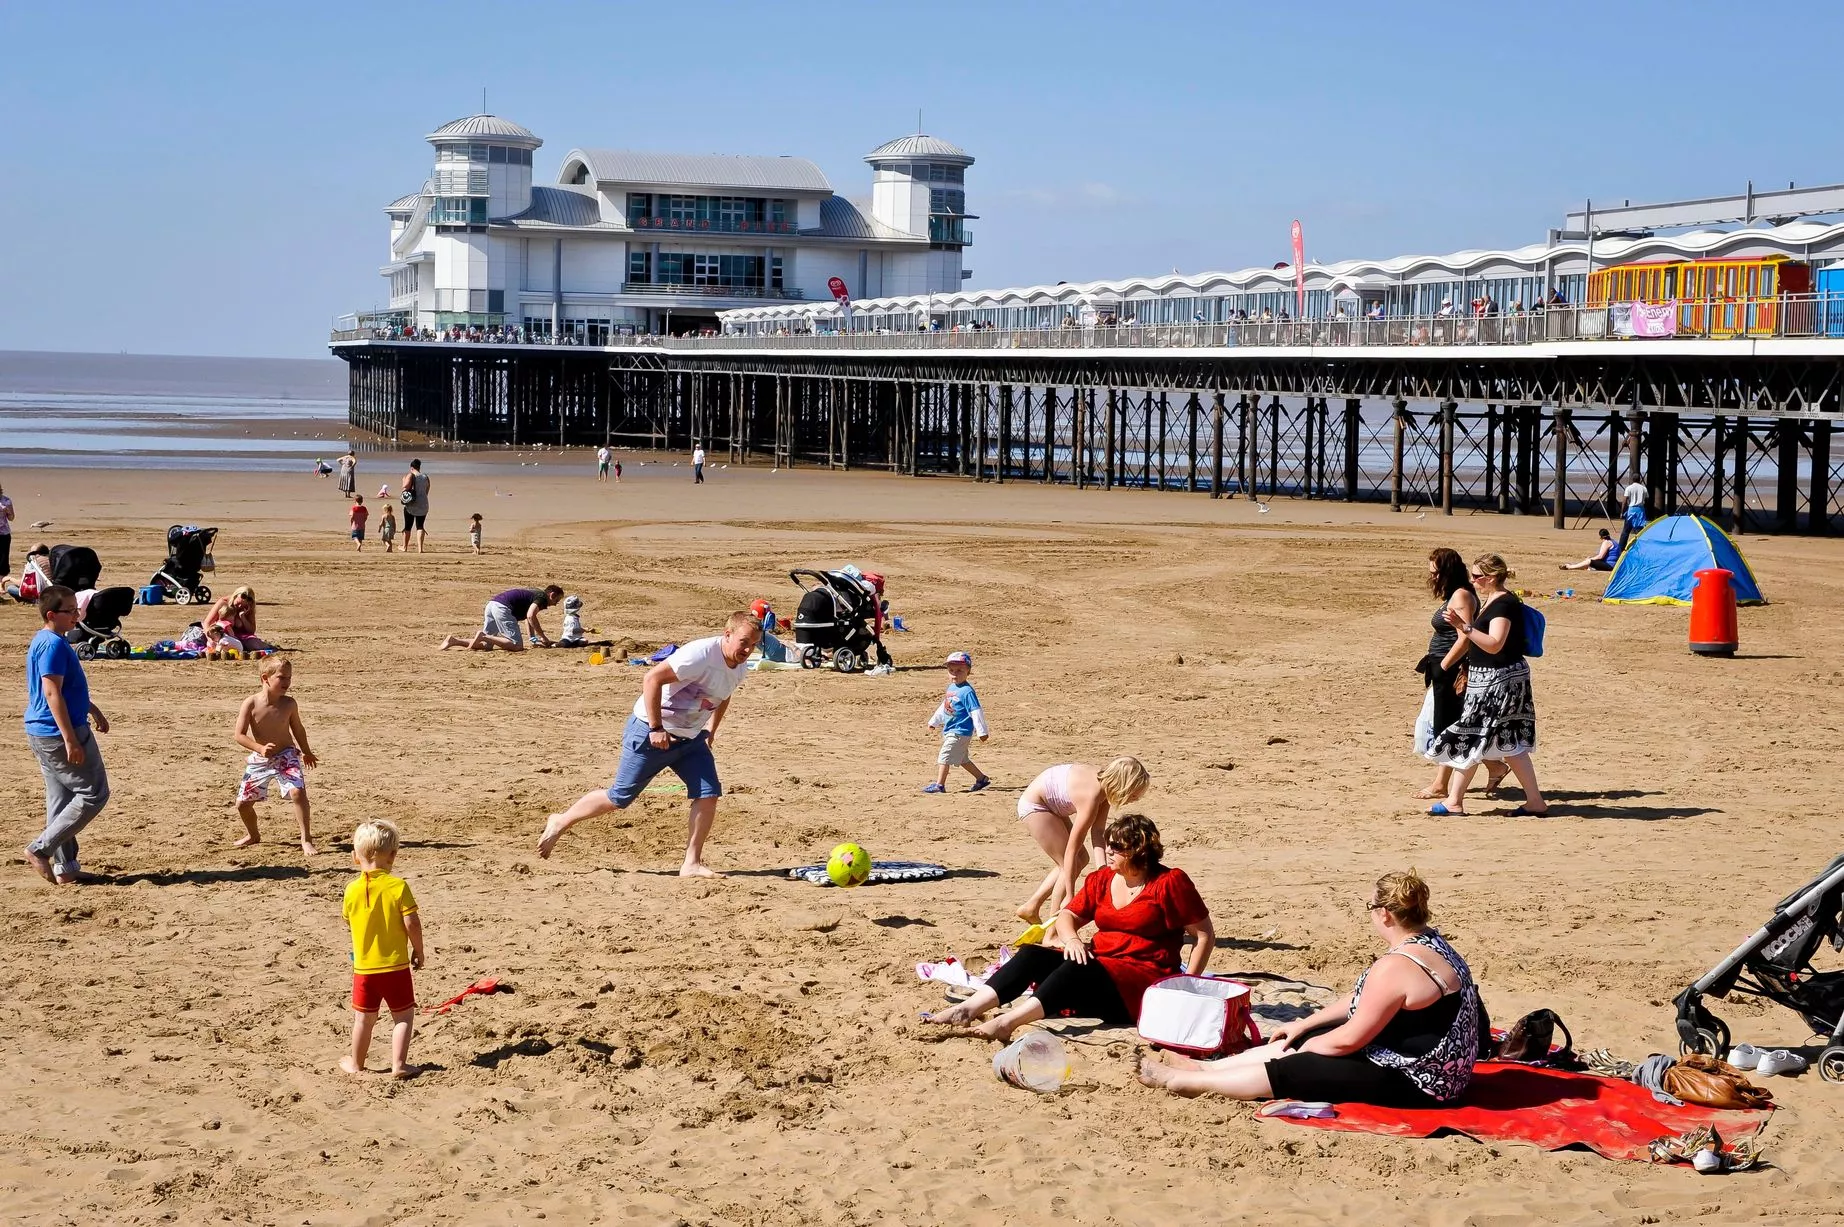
1498 720
1142 908
1444 680
1406 1037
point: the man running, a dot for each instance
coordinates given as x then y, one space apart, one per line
682 702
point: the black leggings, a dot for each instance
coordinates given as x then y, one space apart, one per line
6 553
1352 1078
1064 987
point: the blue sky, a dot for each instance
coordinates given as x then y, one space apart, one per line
192 178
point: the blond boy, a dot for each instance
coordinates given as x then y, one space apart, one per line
269 727
387 943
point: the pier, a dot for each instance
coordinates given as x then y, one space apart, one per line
1533 415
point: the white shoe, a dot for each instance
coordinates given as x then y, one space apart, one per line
1782 1062
1745 1056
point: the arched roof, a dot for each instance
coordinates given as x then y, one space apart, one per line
486 127
403 204
919 145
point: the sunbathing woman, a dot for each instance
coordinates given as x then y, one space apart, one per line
1405 1038
1063 808
1142 909
231 624
1602 559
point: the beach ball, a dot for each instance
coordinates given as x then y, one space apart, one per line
849 865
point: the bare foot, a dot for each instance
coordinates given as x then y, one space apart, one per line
1175 1059
404 1073
40 865
554 827
697 869
1158 1074
347 1064
953 1016
307 846
248 841
1030 915
1429 794
990 1031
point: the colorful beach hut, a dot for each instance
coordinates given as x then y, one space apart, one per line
1660 565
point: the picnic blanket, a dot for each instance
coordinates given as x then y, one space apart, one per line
881 871
1550 1108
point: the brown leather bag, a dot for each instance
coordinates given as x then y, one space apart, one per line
1704 1080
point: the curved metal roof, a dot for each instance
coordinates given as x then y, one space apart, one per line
711 170
403 204
919 145
569 207
490 127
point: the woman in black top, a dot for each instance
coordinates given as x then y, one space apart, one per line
1498 720
1443 681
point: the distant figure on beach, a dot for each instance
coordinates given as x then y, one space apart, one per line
1064 808
387 944
1633 519
617 472
6 535
269 727
359 513
322 468
682 703
1602 559
499 627
387 528
473 532
415 499
601 463
348 472
59 714
698 464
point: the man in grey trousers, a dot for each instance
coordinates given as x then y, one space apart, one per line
58 718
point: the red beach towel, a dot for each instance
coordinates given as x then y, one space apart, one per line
1549 1108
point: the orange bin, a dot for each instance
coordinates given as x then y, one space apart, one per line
1712 613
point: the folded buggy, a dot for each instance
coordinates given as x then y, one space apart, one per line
1776 963
98 631
834 623
75 567
188 558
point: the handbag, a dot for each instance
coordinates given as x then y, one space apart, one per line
1531 1037
1199 1016
1702 1079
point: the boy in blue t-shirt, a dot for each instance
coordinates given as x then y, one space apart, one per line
59 716
961 720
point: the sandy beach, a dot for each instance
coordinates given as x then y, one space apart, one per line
745 1051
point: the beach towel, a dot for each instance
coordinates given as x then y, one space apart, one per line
881 871
1551 1108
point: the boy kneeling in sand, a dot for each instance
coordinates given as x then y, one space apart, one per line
269 727
387 942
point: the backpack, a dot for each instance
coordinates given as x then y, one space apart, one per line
1534 625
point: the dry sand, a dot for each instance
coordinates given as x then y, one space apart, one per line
744 1051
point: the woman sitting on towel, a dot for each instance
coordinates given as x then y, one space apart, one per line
231 625
1602 559
1142 909
1065 807
1405 1038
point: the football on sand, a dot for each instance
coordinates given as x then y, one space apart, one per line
849 865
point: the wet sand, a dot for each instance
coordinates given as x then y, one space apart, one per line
745 1051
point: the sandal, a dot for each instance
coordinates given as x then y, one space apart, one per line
1524 811
1439 810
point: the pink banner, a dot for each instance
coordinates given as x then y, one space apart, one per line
1299 270
1645 319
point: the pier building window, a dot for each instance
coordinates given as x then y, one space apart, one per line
690 268
946 200
639 204
459 211
775 281
640 267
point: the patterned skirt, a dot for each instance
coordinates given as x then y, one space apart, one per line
1498 720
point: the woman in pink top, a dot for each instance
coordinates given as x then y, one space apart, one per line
1064 808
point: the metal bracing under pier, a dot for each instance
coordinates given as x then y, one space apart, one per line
1742 437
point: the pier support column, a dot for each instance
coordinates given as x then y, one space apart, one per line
1818 516
1245 443
1738 483
1216 444
1354 415
1107 480
1005 428
1274 447
1398 416
1559 517
1448 409
1049 473
1786 498
1192 409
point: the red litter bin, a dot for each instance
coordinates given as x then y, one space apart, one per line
1712 613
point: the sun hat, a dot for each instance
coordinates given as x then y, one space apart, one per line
959 658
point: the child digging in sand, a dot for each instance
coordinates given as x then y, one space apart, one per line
269 727
961 720
387 942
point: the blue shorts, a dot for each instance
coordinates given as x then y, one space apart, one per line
688 758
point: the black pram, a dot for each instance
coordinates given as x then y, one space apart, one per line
835 622
1776 963
188 558
75 567
98 631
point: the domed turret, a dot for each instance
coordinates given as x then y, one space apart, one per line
482 169
919 187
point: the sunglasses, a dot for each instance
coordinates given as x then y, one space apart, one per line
1373 905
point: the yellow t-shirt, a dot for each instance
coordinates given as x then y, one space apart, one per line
376 904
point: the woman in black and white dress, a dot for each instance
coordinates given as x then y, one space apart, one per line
1498 720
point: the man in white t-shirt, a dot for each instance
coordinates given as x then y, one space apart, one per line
697 465
1634 518
682 702
601 463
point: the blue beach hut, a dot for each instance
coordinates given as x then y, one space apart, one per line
1660 565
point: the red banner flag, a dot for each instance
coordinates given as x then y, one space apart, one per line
1299 271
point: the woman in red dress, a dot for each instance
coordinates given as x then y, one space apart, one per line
1141 908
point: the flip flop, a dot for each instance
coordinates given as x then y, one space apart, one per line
1439 810
1524 811
933 788
979 784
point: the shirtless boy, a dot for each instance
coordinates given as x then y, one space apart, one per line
269 727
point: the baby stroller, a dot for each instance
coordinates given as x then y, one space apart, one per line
1776 963
98 631
188 558
75 567
832 624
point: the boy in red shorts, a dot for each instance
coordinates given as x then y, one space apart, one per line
387 941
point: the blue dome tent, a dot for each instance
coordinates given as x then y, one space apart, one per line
1660 565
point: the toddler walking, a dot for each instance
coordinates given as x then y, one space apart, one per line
473 533
359 514
961 720
387 942
387 529
269 727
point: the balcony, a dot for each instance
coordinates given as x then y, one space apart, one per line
949 230
689 225
708 291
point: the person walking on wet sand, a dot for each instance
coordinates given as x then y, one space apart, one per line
698 465
682 703
415 498
269 727
58 718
